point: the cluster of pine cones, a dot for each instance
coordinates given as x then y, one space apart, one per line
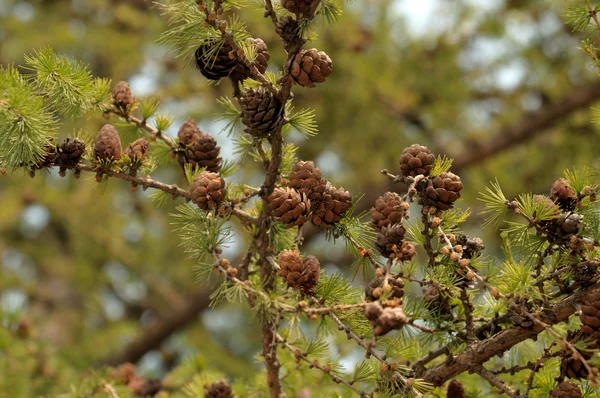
309 197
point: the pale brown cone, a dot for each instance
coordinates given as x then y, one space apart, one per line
138 149
309 67
289 207
416 159
563 195
377 286
389 209
302 275
108 144
207 190
122 95
442 191
187 132
332 206
305 177
566 389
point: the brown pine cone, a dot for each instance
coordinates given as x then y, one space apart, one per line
405 252
202 152
563 195
566 389
138 149
570 223
289 207
389 209
213 63
305 178
302 8
384 319
309 67
590 315
574 368
261 62
442 191
187 132
222 389
389 239
122 95
586 273
207 190
288 28
335 202
46 161
108 144
300 275
262 112
69 154
472 247
455 390
379 285
416 159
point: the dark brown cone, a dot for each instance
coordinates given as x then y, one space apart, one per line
566 389
309 67
574 368
203 152
222 389
563 195
207 190
261 61
122 95
138 149
187 132
262 112
300 275
215 65
590 316
305 178
384 319
108 144
455 390
288 28
69 154
586 273
302 8
289 207
389 209
416 159
389 239
335 202
46 161
442 191
379 285
472 247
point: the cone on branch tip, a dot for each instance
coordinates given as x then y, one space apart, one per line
289 206
221 389
215 63
416 159
203 152
207 190
187 132
137 150
108 144
309 67
122 95
302 275
442 191
566 389
332 206
563 195
68 154
455 390
384 319
389 209
305 177
262 111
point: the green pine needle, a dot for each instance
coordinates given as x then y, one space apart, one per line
495 205
303 121
230 114
441 165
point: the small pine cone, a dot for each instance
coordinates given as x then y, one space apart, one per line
389 209
207 190
334 203
405 252
309 67
69 154
442 191
138 149
566 389
288 28
289 207
302 8
108 144
215 65
590 315
574 368
305 178
262 112
187 133
384 319
299 274
389 239
563 195
378 285
570 223
261 61
455 390
472 247
416 159
203 152
222 389
122 95
586 273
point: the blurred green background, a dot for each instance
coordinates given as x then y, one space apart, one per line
500 85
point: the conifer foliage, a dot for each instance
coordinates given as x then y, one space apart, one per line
435 307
